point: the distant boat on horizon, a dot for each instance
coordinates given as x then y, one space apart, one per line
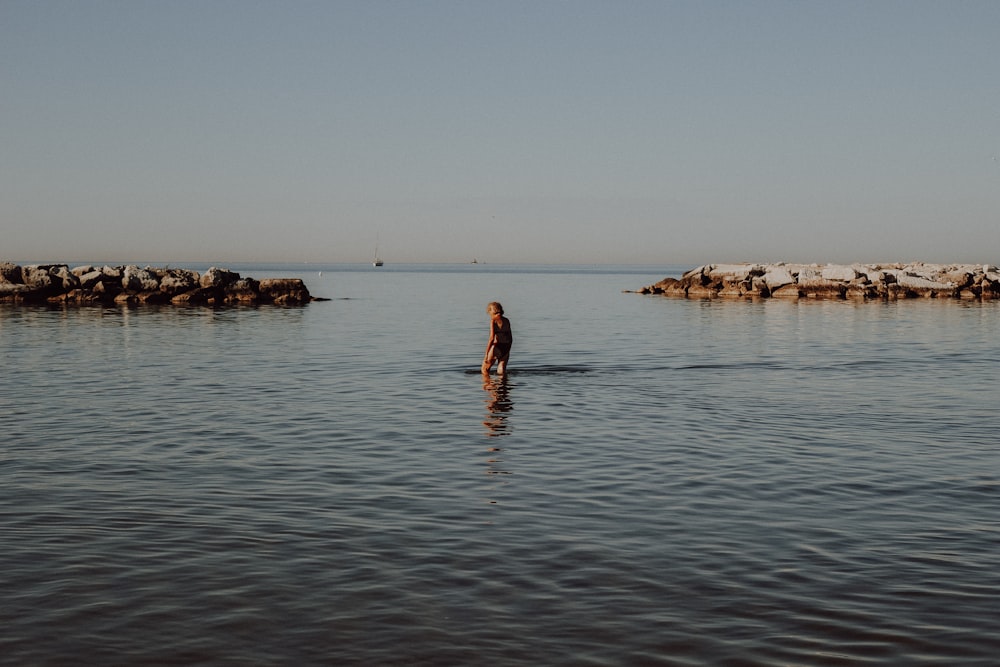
376 260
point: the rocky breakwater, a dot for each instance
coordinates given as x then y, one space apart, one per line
834 281
131 285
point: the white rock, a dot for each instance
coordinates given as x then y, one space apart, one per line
718 271
809 275
835 272
778 276
918 282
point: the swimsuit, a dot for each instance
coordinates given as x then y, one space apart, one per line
502 340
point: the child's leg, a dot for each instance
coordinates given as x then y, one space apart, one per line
502 363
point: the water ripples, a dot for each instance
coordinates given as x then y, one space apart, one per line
303 486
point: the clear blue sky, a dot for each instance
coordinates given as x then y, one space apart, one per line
537 131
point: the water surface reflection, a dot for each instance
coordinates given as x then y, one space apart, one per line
498 406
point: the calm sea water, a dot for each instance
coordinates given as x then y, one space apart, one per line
658 482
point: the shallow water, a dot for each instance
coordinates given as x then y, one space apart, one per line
658 481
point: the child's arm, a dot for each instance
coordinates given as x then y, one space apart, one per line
489 342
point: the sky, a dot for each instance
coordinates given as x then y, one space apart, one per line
543 131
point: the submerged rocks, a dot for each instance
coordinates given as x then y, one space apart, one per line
131 285
833 281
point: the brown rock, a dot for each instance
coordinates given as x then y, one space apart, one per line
786 291
284 291
824 290
10 273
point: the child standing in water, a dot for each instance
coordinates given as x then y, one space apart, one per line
501 338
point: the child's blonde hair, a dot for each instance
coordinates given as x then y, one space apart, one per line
494 306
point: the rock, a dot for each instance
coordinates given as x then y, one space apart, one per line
62 273
843 273
11 289
667 285
44 281
80 271
244 290
778 277
11 274
989 288
702 291
178 281
195 297
758 287
790 290
828 289
218 277
107 288
132 286
135 279
91 278
37 277
734 286
862 291
855 281
920 286
958 277
732 271
808 275
821 282
875 276
284 291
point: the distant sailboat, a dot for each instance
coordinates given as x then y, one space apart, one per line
376 261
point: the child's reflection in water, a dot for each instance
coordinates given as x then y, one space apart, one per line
498 406
498 410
